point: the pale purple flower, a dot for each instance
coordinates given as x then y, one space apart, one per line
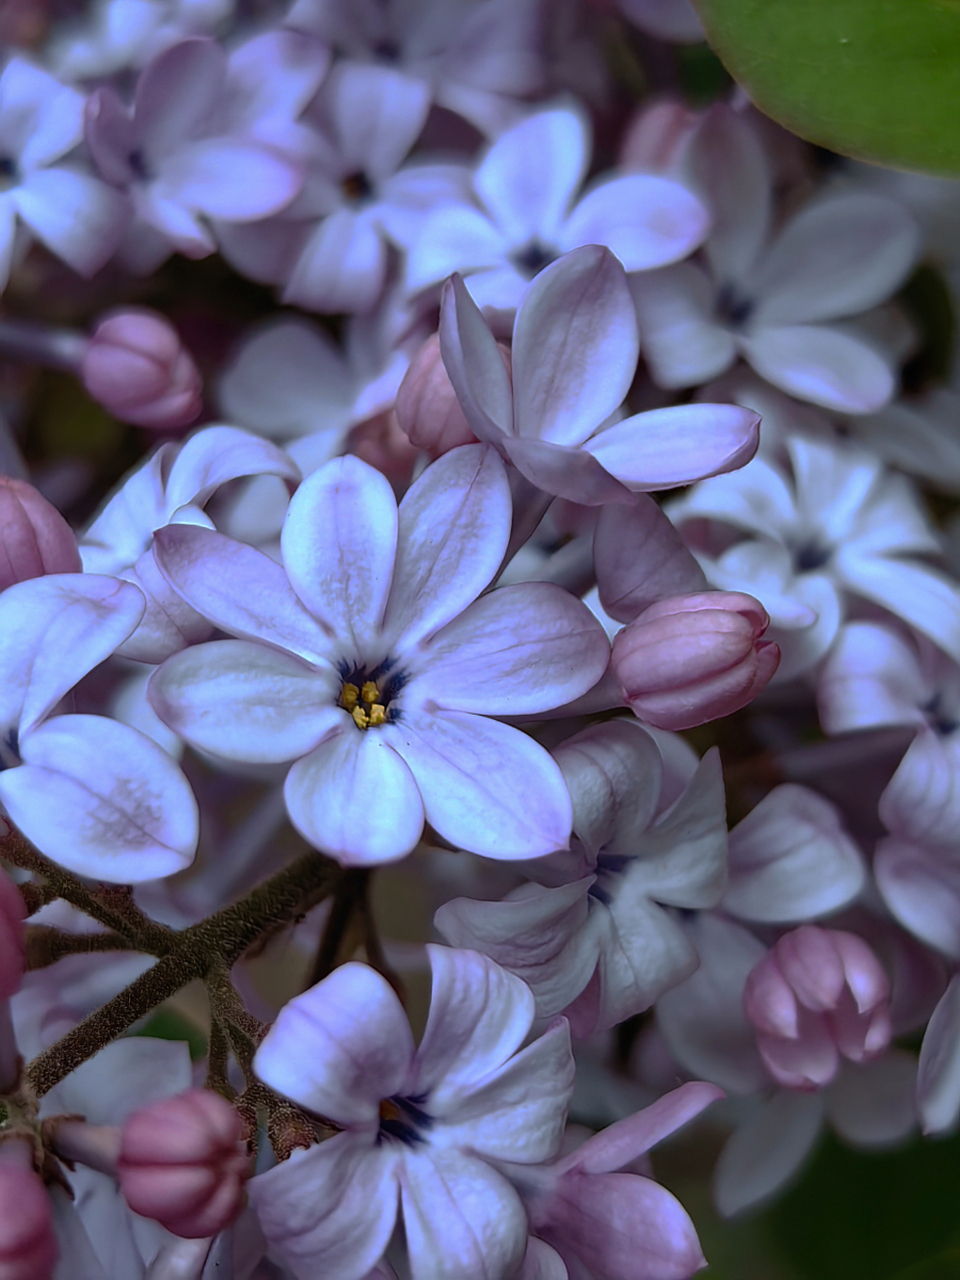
370 661
574 356
525 213
171 487
423 1129
118 34
776 300
186 151
78 217
95 796
605 945
809 542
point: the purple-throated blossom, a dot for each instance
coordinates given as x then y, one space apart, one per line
370 661
423 1128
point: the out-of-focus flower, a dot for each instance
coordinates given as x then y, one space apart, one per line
118 34
526 188
182 1163
78 217
34 537
427 1127
689 659
369 660
776 301
136 366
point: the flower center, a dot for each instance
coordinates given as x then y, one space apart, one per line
9 173
404 1119
369 695
532 258
356 187
10 750
733 308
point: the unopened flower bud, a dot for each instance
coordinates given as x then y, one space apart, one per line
34 537
427 406
136 367
817 996
182 1163
28 1248
12 937
380 442
689 659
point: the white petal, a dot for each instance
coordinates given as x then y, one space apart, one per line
644 220
103 800
377 114
938 1077
341 266
215 455
78 217
41 119
921 802
823 365
467 769
454 238
243 701
681 341
925 598
922 891
871 677
474 364
339 541
354 798
767 1151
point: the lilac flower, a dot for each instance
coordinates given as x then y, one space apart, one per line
528 216
95 796
675 20
76 216
574 357
372 663
171 487
427 1126
127 33
181 152
775 301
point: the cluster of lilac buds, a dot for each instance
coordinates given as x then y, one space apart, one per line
479 669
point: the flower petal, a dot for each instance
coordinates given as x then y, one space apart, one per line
340 1047
644 220
826 366
682 342
622 1142
925 598
922 891
236 179
215 455
565 471
474 365
341 266
243 701
467 768
354 798
103 800
78 217
766 1151
938 1076
640 559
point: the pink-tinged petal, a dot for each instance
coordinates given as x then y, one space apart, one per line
110 135
871 677
621 1143
826 366
53 630
727 165
377 114
462 1219
474 365
926 598
330 1210
231 178
682 342
922 890
839 256
354 798
341 267
103 800
339 541
565 471
922 800
41 119
640 559
938 1076
240 589
575 347
620 1226
216 455
791 860
479 1016
809 1062
875 1105
530 174
518 1112
767 1151
243 701
663 448
79 218
518 650
178 93
644 220
454 526
538 934
467 767
454 238
340 1047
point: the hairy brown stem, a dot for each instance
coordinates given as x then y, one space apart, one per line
45 945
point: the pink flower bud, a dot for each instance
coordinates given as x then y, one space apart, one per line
136 367
656 139
689 659
182 1163
34 537
427 407
13 942
819 995
28 1248
380 442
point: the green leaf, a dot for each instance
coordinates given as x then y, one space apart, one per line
875 79
168 1024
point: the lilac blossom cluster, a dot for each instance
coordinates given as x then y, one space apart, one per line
403 610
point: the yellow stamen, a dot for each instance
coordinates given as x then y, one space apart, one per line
378 714
370 693
389 1110
360 718
348 696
